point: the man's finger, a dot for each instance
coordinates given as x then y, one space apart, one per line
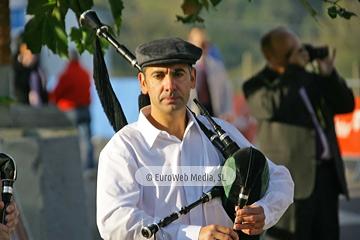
255 231
217 232
227 231
12 206
249 210
247 227
12 224
253 218
243 226
12 213
334 53
4 232
11 220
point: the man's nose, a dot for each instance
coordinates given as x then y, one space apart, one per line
169 83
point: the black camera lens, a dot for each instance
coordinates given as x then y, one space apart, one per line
316 52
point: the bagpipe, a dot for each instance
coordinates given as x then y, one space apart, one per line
8 176
249 164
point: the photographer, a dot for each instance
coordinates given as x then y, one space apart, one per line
295 109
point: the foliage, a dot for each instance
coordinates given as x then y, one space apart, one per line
337 10
236 29
6 100
193 8
47 27
333 11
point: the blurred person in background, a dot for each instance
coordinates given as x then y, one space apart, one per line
29 77
72 95
213 89
295 109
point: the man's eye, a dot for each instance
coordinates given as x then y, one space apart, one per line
179 74
158 76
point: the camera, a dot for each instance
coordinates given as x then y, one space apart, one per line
316 52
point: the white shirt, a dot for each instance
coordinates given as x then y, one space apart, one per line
124 206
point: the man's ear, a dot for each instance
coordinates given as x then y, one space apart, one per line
193 78
141 78
267 56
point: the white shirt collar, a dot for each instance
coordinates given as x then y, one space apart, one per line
151 133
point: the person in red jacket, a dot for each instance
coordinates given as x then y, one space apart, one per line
72 95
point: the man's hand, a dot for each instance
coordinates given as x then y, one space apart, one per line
11 217
217 232
326 65
299 56
250 219
4 232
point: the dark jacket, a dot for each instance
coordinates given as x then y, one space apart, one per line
286 132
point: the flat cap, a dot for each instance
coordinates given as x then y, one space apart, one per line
168 50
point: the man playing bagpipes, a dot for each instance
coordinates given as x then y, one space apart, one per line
168 135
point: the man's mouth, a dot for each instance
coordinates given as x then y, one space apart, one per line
171 99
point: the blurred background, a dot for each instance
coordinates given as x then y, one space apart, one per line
235 28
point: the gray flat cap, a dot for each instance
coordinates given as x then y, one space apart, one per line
168 50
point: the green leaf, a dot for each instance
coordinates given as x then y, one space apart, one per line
76 37
80 6
54 34
190 7
6 100
345 14
36 7
76 34
75 6
79 36
332 12
205 3
84 39
332 9
192 18
85 5
57 13
48 38
116 10
33 33
216 2
64 6
348 15
64 3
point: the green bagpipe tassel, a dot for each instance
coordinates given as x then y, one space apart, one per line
255 176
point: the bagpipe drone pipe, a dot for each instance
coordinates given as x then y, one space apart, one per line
251 170
249 164
8 176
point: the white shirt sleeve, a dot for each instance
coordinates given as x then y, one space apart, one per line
118 198
278 196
